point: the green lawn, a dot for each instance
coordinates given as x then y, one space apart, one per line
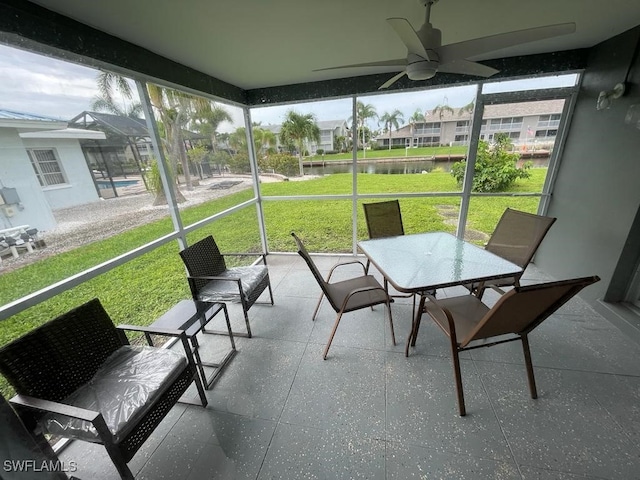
139 291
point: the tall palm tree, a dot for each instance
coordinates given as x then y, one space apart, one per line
111 85
297 128
468 108
363 113
390 120
176 109
208 118
417 117
443 108
265 140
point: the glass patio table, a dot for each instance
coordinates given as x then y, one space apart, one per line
424 262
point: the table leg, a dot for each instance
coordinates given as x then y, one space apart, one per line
219 367
196 354
413 335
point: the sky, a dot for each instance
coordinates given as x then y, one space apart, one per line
37 84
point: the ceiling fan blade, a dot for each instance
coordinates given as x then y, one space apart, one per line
466 67
401 62
392 80
478 46
408 36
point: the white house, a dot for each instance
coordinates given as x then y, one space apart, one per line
42 168
329 131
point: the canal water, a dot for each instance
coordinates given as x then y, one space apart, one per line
395 167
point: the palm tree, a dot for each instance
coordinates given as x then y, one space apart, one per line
469 107
176 109
296 129
110 85
417 117
390 120
363 113
265 140
208 118
441 109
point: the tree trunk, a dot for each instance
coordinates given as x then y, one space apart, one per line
364 146
184 160
161 198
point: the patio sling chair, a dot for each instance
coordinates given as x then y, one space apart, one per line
516 238
384 219
211 281
465 319
346 295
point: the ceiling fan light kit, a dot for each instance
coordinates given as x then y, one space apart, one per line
426 56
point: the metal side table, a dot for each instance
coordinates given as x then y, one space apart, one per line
192 317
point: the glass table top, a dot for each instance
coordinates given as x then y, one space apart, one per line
424 261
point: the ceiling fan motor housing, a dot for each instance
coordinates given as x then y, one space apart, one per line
419 69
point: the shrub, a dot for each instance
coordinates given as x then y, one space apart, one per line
239 163
496 168
281 163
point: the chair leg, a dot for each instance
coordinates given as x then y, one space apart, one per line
117 459
527 361
366 267
270 292
245 309
333 332
458 377
315 312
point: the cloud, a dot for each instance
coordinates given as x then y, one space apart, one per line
33 83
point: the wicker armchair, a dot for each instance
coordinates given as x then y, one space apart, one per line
60 369
211 281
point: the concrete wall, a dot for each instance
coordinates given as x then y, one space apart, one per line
80 188
597 193
16 172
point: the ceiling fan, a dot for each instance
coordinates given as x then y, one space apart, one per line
426 55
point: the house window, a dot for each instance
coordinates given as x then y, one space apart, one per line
47 167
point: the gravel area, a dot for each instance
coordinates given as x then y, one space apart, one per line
90 222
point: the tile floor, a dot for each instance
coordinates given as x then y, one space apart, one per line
280 411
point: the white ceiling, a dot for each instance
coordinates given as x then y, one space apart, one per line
263 43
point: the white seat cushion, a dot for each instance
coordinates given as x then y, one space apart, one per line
123 389
227 291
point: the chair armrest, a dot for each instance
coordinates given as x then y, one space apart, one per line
154 331
95 418
447 315
261 255
163 331
213 277
32 403
342 264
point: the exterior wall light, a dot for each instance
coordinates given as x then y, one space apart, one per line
605 98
